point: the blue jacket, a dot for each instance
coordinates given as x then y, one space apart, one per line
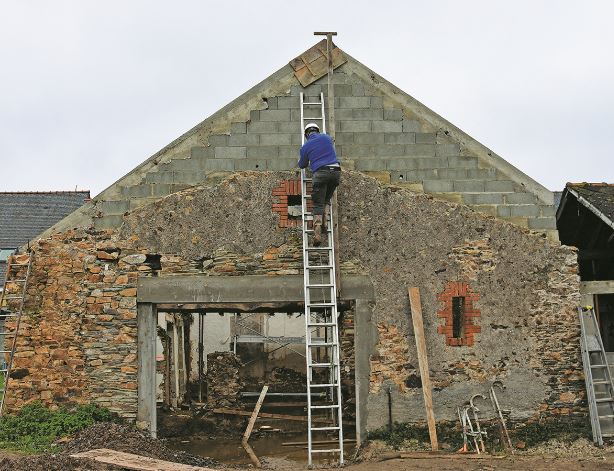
317 152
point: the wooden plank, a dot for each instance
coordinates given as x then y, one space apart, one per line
427 391
429 455
250 427
597 287
266 415
137 462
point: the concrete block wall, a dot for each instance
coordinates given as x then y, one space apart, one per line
373 134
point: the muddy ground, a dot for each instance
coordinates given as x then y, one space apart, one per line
553 456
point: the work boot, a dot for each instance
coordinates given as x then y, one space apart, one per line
325 219
317 230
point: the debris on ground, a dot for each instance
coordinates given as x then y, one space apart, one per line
52 463
223 382
130 440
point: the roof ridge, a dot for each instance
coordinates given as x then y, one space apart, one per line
58 192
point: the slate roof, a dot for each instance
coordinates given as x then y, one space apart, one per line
25 215
599 195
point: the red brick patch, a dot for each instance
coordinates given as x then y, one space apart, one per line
470 314
280 201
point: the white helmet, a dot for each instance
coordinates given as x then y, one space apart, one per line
310 126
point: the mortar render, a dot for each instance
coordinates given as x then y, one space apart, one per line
528 286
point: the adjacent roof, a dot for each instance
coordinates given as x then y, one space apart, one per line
25 215
598 197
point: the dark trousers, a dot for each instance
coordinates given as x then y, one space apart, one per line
325 182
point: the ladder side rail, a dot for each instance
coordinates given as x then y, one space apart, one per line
5 281
603 352
588 379
7 376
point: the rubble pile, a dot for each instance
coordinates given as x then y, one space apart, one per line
287 380
223 382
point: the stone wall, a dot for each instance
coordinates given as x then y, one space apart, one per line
79 337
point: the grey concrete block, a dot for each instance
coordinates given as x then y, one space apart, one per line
108 222
160 177
254 115
113 207
250 164
343 114
288 102
282 164
362 114
342 90
416 163
437 186
462 162
238 128
271 102
524 210
393 114
230 152
276 139
199 152
520 198
425 138
244 140
468 185
353 102
275 115
309 113
290 127
216 140
175 187
400 138
500 185
547 211
411 125
220 164
355 126
262 152
358 89
287 152
369 138
419 175
390 150
504 211
314 89
189 178
189 165
387 126
442 150
137 191
482 173
296 139
262 127
377 102
344 138
160 189
452 173
371 164
355 150
542 223
420 149
443 138
483 198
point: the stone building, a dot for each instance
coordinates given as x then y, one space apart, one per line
204 225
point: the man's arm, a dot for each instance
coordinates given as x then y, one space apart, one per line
303 161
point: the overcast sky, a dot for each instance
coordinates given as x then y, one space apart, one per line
89 89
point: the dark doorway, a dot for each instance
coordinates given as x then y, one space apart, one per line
605 312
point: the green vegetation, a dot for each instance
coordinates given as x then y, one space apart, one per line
34 428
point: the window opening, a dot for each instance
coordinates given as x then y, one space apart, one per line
458 314
295 209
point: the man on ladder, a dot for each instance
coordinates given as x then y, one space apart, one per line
319 153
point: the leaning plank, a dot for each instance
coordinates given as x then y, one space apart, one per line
139 463
266 415
250 427
427 391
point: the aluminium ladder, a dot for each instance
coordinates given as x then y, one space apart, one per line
11 308
321 315
597 375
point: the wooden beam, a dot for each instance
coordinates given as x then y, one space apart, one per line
137 462
250 427
266 415
416 317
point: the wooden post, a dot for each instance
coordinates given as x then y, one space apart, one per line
416 317
250 427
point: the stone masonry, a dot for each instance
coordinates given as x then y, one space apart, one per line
78 342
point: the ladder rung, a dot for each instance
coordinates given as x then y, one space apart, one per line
16 281
323 385
321 285
315 429
13 297
329 406
309 119
321 365
598 366
318 249
8 315
6 351
319 267
609 416
332 450
322 324
607 435
323 344
605 399
605 381
320 305
311 103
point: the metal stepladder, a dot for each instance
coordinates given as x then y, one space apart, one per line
11 308
597 375
321 316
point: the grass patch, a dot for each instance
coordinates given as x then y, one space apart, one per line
34 428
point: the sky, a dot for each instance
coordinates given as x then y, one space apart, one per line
90 89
